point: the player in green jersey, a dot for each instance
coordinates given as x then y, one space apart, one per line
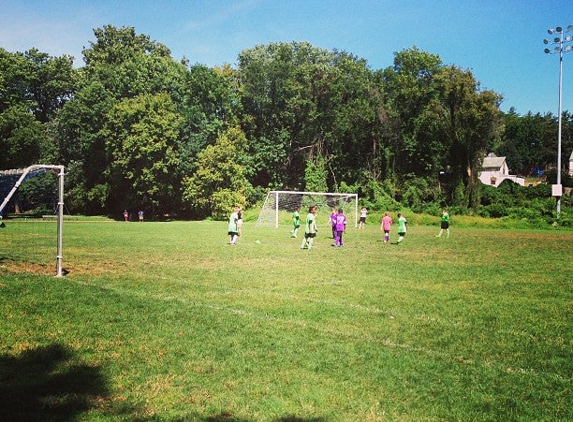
444 224
295 222
310 228
401 227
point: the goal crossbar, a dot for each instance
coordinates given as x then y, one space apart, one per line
28 172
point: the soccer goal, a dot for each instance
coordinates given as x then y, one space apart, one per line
37 209
279 206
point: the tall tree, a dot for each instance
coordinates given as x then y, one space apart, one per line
141 137
210 106
219 181
280 117
471 122
302 103
530 141
411 93
120 65
23 139
33 87
36 80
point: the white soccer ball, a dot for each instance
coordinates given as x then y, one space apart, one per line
257 241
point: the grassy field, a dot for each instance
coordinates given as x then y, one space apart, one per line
167 322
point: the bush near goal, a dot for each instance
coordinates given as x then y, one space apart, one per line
279 206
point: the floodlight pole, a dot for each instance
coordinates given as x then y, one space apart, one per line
559 41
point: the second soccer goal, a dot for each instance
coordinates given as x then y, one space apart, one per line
279 206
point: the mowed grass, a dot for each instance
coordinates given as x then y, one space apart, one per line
168 322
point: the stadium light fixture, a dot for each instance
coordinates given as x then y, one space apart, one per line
559 48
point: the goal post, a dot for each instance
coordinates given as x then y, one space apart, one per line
279 205
31 171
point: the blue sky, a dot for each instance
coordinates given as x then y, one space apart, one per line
501 41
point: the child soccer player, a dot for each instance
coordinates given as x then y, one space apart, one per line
233 229
445 224
385 225
310 228
295 222
401 227
240 222
340 228
333 222
363 214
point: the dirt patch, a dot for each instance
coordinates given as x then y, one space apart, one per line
8 266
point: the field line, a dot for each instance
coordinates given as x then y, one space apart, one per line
386 342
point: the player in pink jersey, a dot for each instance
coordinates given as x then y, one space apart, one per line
385 226
340 228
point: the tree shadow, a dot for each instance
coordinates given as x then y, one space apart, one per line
227 417
45 385
42 385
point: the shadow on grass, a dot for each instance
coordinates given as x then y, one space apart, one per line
42 385
226 417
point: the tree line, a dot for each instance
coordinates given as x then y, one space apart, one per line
137 129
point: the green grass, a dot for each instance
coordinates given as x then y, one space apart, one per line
167 322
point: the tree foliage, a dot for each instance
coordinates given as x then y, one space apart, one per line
471 121
141 140
219 182
136 128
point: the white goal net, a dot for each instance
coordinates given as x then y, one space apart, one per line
31 216
279 206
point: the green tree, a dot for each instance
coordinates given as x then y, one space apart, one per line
219 181
82 147
33 87
300 101
141 137
37 81
530 141
210 106
120 65
411 89
23 139
350 109
277 83
115 46
471 121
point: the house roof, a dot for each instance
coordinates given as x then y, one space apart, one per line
493 161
